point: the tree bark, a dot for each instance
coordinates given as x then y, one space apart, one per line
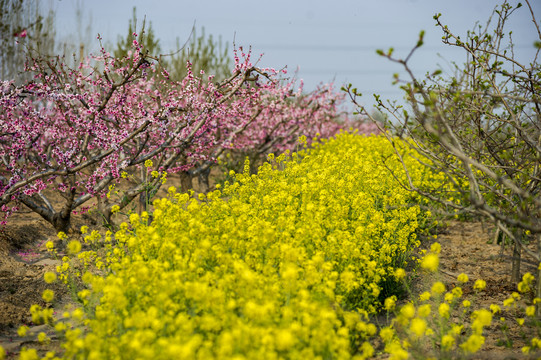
62 221
538 278
515 270
203 179
185 181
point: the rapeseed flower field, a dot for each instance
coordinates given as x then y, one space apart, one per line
288 263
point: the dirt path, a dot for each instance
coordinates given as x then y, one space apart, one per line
469 248
23 261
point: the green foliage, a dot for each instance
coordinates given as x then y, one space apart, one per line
481 127
145 36
23 32
205 54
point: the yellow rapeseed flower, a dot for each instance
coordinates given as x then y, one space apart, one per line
74 247
480 284
390 303
443 310
386 333
400 274
367 350
523 287
457 329
438 288
418 327
435 248
508 302
42 337
528 278
481 318
28 354
134 218
457 292
284 339
396 351
49 245
473 343
49 277
425 296
424 310
447 342
408 311
430 262
48 295
23 330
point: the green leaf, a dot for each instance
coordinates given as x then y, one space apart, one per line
421 37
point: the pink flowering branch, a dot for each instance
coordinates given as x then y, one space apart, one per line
76 132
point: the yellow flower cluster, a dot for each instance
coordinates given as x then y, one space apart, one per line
284 264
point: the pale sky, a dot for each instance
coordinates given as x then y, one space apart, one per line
327 40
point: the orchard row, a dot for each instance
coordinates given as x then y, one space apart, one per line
71 134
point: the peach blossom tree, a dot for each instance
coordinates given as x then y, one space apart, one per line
71 134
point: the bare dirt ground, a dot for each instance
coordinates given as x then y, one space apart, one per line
468 247
23 261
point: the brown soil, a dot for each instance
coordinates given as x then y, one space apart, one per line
466 248
23 261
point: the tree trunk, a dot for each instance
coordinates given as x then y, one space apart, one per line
515 270
185 181
538 277
203 179
538 289
143 197
104 212
60 220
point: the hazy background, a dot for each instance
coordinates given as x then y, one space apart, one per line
325 40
